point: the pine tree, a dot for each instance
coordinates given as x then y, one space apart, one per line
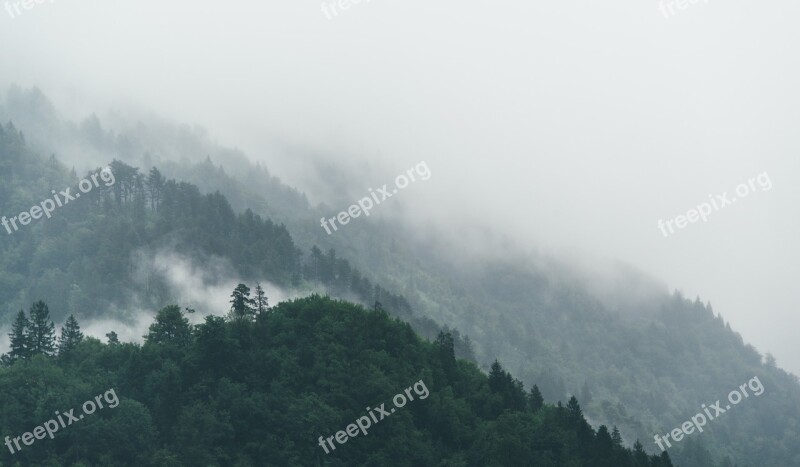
574 409
241 303
261 300
536 400
640 458
445 347
71 336
42 334
616 437
604 445
113 339
155 185
496 377
20 347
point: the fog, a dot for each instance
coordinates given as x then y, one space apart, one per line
204 287
568 127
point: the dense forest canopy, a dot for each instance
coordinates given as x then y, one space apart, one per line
259 389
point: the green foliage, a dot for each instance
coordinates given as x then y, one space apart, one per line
242 306
71 336
20 348
170 327
536 400
41 330
260 302
261 392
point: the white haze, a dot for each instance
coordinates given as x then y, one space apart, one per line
205 287
567 126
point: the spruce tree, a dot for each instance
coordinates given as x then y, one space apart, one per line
445 347
574 409
616 437
496 377
536 399
42 334
71 336
155 185
640 458
603 445
20 347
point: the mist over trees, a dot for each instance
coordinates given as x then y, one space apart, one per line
643 373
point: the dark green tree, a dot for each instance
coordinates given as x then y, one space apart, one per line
170 327
113 339
574 409
446 349
496 377
71 335
640 458
535 399
42 333
155 186
20 348
603 451
616 437
241 303
261 304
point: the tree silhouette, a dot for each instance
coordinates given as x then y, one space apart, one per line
535 398
42 333
71 336
170 327
112 338
20 348
241 303
261 304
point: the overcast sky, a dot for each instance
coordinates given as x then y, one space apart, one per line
570 126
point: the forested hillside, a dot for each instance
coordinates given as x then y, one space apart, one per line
644 365
261 390
84 256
